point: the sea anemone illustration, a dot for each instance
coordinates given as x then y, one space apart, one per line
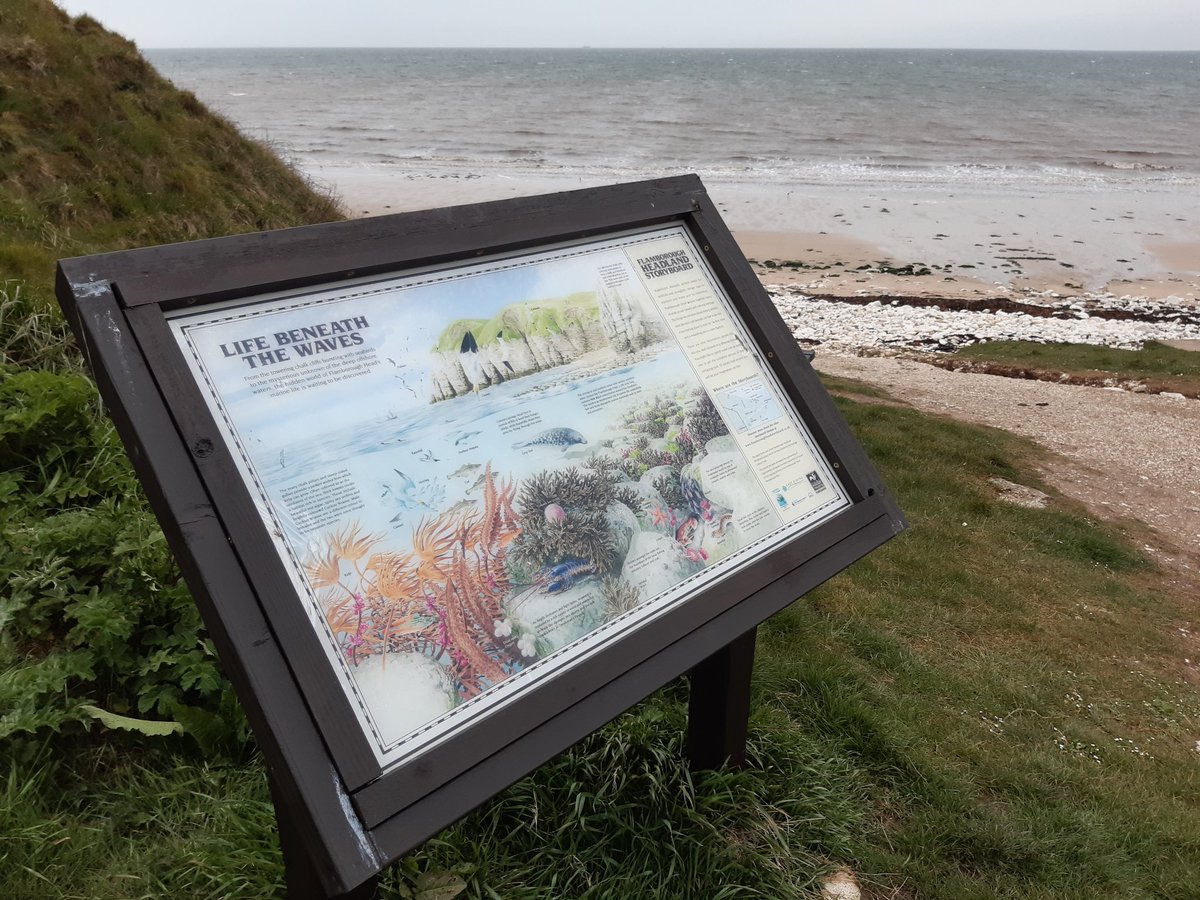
573 523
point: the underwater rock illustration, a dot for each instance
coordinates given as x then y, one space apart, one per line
555 618
623 524
656 562
428 689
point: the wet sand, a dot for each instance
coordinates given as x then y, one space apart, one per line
975 241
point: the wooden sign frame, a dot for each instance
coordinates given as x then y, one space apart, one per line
343 816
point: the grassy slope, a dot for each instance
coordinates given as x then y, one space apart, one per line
1158 367
944 717
98 152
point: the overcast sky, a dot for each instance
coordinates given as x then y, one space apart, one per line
1034 24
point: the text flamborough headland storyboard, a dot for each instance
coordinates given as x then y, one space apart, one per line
476 476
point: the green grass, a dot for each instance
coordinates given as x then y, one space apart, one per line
1160 367
993 705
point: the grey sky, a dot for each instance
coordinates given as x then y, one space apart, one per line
1033 24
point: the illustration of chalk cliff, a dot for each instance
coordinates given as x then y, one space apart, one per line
535 335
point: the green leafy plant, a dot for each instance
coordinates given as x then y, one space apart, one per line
93 612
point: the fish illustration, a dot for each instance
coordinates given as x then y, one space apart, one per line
466 435
553 437
398 487
466 470
427 456
460 506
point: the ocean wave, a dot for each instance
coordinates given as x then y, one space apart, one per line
1125 165
889 172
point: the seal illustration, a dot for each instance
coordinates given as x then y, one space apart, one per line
553 437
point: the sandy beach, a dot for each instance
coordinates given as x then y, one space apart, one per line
849 239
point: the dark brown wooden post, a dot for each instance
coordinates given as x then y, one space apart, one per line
300 875
719 706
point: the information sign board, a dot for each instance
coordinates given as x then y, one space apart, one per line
475 479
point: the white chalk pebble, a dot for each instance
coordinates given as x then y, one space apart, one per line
843 886
852 326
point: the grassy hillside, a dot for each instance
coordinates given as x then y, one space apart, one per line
98 152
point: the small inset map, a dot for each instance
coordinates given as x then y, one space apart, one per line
748 405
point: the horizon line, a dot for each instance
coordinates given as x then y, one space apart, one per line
671 49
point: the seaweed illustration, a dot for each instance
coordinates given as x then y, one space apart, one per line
667 485
656 417
703 422
441 598
565 517
605 465
619 597
669 432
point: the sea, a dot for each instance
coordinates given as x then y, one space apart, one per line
1124 120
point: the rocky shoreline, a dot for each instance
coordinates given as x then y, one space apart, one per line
866 323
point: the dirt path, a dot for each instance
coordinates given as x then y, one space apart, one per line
1121 454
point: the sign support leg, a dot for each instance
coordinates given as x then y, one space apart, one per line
300 875
719 706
